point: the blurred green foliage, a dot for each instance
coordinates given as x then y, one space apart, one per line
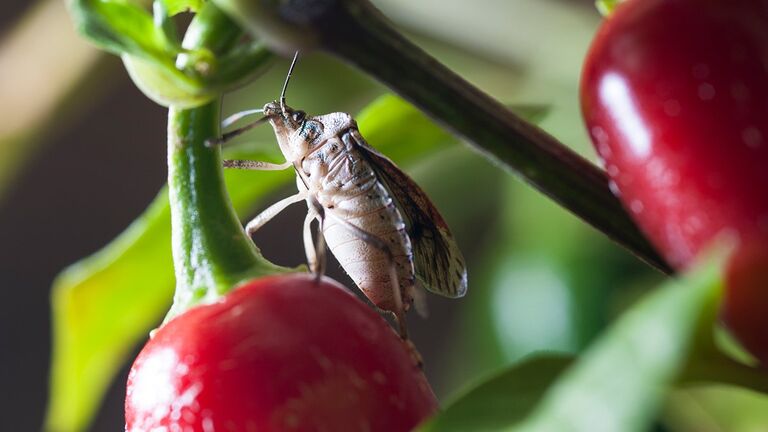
616 385
502 399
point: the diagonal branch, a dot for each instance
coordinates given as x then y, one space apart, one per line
356 32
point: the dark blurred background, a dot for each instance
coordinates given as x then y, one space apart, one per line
82 153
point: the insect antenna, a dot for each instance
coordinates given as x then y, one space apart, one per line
288 78
233 118
237 116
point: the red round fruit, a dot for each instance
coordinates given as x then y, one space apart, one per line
281 353
675 97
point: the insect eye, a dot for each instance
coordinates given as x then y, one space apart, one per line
298 116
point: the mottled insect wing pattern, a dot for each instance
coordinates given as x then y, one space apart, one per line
438 262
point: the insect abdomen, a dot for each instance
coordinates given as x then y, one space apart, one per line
352 193
368 265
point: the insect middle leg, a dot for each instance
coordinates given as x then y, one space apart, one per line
315 249
272 211
381 245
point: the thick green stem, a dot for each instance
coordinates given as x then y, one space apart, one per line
211 252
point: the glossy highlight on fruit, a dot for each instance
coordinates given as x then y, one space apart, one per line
281 353
675 98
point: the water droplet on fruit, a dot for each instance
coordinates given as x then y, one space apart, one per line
752 137
599 135
636 206
706 91
237 311
660 175
208 425
614 188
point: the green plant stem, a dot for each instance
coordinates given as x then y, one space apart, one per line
356 32
212 29
211 252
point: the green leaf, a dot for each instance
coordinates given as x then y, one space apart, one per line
503 399
209 63
605 7
620 382
163 86
617 385
174 7
105 304
123 27
716 408
397 125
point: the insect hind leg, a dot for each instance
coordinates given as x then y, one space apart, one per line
380 244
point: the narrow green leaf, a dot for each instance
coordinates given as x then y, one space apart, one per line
620 382
177 6
605 7
105 304
716 408
617 385
163 19
502 399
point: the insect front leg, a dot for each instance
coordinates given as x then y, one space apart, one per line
231 134
256 165
315 249
272 211
381 245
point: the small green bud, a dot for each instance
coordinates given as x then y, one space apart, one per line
168 86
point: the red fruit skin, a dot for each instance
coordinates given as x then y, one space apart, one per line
675 97
280 353
745 302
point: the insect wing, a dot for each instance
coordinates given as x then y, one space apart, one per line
437 259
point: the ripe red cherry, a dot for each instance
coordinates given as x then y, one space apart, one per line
675 97
279 354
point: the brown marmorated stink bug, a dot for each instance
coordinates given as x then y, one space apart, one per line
378 223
